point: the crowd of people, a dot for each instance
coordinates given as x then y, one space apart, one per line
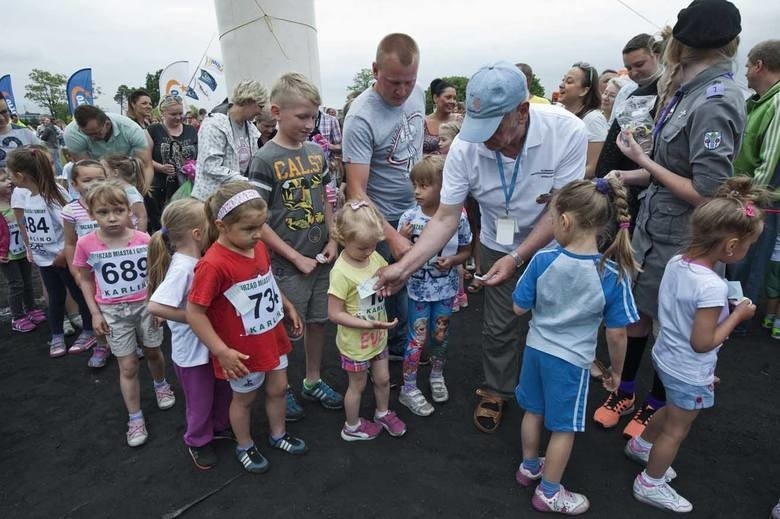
262 221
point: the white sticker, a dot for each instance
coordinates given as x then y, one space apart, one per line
321 258
505 230
366 288
119 272
264 309
735 291
16 247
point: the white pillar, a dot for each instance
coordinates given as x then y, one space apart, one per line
263 39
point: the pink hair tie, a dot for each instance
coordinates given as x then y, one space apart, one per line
748 210
235 201
624 225
357 204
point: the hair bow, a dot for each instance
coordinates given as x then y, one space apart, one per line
602 186
357 204
748 209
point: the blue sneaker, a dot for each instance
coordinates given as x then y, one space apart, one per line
294 411
323 393
289 444
252 460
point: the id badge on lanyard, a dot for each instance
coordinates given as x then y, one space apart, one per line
506 226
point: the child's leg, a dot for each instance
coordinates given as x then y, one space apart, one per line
275 389
558 452
155 360
223 395
80 305
71 306
151 337
771 306
56 290
197 383
128 382
674 429
530 432
441 311
28 293
357 384
417 332
240 413
13 275
380 376
313 342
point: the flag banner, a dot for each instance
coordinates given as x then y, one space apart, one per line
79 89
213 64
203 91
208 79
191 93
8 92
173 79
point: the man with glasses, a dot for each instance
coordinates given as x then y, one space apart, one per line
93 134
12 136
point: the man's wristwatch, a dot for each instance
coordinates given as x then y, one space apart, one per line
518 260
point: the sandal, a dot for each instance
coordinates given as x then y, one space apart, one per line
475 285
488 413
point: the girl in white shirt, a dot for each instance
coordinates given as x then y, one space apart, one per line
129 171
694 315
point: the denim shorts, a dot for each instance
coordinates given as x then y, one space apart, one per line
686 396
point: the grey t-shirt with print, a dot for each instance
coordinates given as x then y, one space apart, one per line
293 183
389 139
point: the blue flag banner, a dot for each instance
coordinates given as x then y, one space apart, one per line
208 79
79 89
191 93
8 92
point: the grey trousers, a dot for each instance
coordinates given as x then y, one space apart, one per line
501 332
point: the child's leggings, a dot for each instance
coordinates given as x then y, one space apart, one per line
59 282
428 320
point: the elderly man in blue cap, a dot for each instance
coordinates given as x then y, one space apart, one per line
510 157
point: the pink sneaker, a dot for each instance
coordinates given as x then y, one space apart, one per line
99 356
37 316
367 430
23 324
392 424
525 478
82 343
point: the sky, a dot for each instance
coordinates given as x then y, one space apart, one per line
122 41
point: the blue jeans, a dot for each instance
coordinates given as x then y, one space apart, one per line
395 305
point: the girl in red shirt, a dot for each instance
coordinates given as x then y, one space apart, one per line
236 309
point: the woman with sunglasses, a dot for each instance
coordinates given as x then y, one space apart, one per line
579 94
173 144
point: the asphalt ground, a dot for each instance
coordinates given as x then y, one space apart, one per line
64 454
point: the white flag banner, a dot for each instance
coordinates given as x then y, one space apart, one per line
174 78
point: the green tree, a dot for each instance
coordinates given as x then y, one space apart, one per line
153 86
536 87
48 90
459 82
360 82
122 93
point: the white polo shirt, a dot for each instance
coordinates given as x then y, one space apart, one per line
554 154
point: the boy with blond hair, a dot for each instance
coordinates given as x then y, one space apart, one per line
291 174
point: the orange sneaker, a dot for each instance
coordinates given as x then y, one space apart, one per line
638 422
617 405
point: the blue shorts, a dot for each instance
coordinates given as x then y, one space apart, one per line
686 396
553 388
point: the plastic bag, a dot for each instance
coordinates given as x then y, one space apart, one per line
634 116
184 191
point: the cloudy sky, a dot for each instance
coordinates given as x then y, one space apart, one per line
122 41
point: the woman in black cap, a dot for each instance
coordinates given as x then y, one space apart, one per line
697 132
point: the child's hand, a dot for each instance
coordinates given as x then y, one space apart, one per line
294 322
445 263
28 252
99 325
230 360
745 310
406 231
305 264
330 251
384 325
158 321
612 382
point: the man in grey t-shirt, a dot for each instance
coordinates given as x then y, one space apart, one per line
383 136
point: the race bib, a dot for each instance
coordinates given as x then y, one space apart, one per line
40 230
16 246
120 272
85 227
372 308
258 302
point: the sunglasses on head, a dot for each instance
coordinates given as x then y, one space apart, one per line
589 69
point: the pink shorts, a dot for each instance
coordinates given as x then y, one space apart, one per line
356 366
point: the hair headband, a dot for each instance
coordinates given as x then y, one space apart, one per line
235 201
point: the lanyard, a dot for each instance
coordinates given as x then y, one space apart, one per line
667 112
507 193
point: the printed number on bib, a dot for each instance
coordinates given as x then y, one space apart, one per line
258 302
16 246
39 229
120 272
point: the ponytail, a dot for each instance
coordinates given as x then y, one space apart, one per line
130 169
160 253
36 164
620 251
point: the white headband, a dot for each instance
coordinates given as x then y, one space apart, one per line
235 201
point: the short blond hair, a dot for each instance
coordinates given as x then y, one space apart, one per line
402 45
293 87
249 91
449 129
428 171
357 220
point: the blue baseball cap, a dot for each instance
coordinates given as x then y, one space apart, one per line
494 91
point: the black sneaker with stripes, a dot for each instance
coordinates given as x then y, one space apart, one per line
252 460
289 444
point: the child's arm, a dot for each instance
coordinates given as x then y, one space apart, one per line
305 265
169 313
5 240
445 263
87 277
139 210
229 359
708 334
338 314
291 314
617 338
518 310
331 249
70 246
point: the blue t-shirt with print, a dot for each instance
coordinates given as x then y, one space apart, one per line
569 298
429 283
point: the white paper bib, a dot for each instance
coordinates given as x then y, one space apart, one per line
258 302
120 272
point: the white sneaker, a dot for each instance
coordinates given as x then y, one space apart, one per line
634 453
136 432
439 391
416 402
661 496
165 397
76 321
563 502
67 328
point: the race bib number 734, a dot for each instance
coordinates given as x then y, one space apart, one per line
258 302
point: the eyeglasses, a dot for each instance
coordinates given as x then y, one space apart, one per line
590 69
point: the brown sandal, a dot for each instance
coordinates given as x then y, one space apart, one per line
488 413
